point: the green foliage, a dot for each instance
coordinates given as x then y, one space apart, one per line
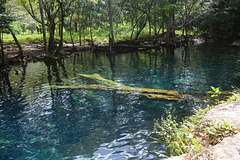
177 136
216 132
218 17
191 135
30 38
235 96
31 27
16 27
215 93
5 17
221 18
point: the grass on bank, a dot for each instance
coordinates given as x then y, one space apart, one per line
100 34
191 135
23 38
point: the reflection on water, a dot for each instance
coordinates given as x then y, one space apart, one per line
38 122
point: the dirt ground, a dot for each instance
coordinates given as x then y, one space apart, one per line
36 51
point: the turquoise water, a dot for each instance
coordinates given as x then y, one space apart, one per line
38 122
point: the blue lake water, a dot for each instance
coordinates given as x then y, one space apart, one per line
40 123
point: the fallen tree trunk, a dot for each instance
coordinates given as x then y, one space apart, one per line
145 92
121 89
159 94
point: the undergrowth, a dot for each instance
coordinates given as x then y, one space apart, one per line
100 34
192 135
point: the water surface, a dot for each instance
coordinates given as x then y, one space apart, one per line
38 122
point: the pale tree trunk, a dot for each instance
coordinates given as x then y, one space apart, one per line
43 26
111 36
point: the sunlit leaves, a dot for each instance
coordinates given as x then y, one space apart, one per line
215 91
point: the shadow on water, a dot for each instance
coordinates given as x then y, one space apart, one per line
12 104
39 122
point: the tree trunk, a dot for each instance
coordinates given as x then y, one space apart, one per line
51 41
17 43
186 36
76 27
43 26
142 26
2 50
92 43
60 45
171 27
132 21
149 24
80 35
136 24
163 19
71 31
111 36
155 19
79 32
140 30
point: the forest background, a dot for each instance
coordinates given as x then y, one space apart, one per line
53 22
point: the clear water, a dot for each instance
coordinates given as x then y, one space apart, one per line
39 123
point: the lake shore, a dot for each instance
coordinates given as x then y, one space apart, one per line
35 51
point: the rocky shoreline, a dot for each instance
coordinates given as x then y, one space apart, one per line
229 147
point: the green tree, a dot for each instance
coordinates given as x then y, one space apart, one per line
221 18
5 20
66 9
51 10
43 26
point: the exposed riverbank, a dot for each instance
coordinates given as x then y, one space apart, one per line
35 51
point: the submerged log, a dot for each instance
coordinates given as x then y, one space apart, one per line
121 89
144 92
149 93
